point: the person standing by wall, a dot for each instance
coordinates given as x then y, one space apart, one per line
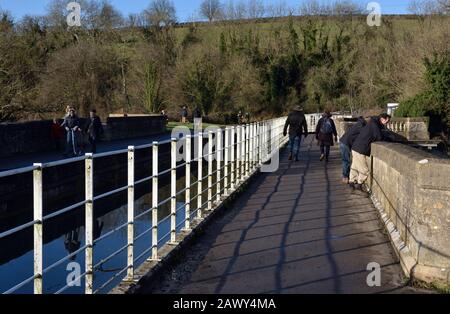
184 114
72 125
94 130
361 150
325 131
165 116
197 114
296 122
346 143
56 134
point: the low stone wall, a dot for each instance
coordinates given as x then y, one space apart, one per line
119 128
35 136
412 189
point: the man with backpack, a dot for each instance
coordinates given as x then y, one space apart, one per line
346 143
296 122
324 134
361 150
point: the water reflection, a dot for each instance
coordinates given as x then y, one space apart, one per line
72 242
65 235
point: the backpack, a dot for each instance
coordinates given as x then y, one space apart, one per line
327 127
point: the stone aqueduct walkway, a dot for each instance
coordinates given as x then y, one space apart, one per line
299 230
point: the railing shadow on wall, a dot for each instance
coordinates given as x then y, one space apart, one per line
233 155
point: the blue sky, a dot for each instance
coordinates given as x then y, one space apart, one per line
185 8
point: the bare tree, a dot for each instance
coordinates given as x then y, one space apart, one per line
211 9
255 9
234 11
161 13
429 7
311 7
280 9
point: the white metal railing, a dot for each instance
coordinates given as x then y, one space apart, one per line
244 150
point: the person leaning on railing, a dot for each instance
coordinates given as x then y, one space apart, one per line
361 151
346 143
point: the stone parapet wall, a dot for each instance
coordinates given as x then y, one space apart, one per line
413 190
35 136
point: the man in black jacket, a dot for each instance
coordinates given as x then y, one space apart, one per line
94 130
361 150
296 122
346 143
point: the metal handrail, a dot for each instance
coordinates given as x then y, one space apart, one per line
244 153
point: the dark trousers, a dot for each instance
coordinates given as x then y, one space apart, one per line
71 143
346 154
325 150
294 145
93 142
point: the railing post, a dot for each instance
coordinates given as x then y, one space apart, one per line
37 227
233 159
210 168
254 150
130 272
155 171
200 176
254 146
89 222
187 205
244 151
226 161
260 143
218 163
238 154
247 150
173 191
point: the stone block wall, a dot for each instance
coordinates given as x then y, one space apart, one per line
413 189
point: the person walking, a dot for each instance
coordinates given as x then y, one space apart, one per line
184 115
296 122
361 150
346 143
325 131
72 126
94 130
197 114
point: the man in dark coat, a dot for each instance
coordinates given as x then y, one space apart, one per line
324 134
361 150
296 122
184 115
72 126
94 130
197 114
346 143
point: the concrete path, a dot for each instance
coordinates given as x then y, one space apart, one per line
299 230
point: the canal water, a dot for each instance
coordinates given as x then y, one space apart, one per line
67 236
